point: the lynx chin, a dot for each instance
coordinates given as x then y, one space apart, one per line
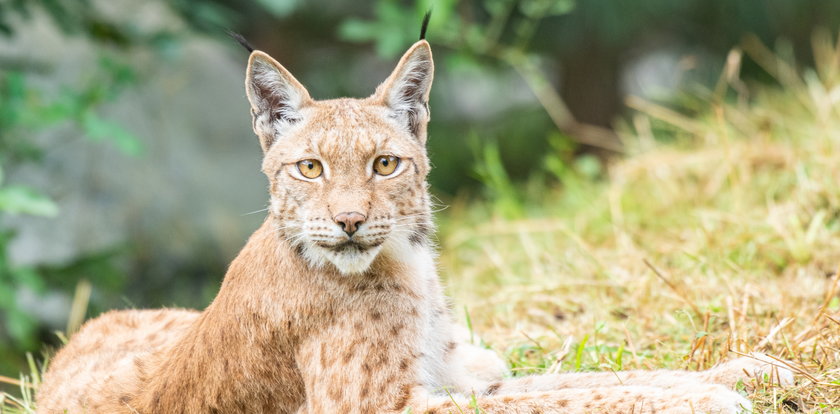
334 303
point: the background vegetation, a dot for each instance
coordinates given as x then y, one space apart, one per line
630 184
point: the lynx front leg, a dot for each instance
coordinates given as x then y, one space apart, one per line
356 375
699 398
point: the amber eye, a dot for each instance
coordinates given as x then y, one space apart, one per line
385 164
310 168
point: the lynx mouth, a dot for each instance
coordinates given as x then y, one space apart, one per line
349 246
345 246
349 256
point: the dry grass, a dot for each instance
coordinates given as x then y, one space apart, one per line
724 240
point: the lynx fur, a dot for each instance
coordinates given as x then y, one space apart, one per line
334 303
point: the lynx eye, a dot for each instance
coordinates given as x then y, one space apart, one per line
310 168
385 164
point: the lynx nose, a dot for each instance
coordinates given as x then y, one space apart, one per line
350 222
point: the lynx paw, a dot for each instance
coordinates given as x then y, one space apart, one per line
756 366
715 399
727 402
480 363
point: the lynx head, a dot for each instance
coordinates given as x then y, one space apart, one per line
347 176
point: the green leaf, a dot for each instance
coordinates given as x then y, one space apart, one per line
21 327
7 295
388 30
537 9
579 352
561 7
98 129
24 200
280 8
29 277
357 30
5 29
496 7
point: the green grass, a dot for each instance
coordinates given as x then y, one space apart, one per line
716 232
23 401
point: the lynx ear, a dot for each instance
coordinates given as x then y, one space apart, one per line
276 97
406 91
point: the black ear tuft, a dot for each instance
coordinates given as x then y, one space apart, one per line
425 24
240 39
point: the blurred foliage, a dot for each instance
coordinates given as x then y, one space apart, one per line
493 34
27 110
500 37
552 46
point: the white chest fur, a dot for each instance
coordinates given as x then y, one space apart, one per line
436 332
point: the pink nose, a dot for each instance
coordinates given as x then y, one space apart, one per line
350 221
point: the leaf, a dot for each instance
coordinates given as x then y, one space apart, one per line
5 29
98 129
496 7
388 30
7 295
561 7
280 8
27 276
21 327
357 30
462 61
24 200
537 9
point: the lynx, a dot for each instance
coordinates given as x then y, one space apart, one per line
334 303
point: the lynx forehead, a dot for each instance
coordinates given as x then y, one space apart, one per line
344 173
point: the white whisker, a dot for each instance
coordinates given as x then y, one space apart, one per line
254 212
